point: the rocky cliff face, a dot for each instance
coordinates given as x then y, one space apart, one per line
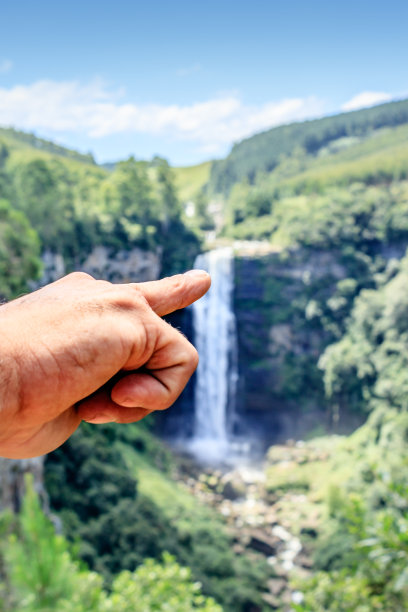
134 265
12 474
280 387
123 266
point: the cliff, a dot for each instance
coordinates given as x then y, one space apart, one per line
287 306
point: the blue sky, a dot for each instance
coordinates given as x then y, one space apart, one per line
187 79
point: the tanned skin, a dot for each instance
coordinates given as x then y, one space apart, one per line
81 349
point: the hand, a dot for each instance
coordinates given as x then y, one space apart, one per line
81 349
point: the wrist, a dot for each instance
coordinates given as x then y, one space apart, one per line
10 379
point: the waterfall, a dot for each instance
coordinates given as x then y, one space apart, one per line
216 342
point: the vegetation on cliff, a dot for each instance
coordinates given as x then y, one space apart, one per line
336 219
65 204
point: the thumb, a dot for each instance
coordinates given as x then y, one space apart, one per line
175 292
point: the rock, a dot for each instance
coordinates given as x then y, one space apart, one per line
277 347
271 517
304 561
271 601
12 473
238 549
53 268
280 337
231 491
278 569
298 597
310 531
263 543
104 263
286 597
123 266
276 585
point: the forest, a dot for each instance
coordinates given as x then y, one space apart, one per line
128 532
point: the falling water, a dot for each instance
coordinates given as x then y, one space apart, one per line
216 342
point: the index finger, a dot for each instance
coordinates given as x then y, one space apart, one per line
175 292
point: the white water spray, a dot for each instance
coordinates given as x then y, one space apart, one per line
217 373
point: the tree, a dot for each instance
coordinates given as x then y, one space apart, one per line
161 586
170 208
137 212
369 365
19 251
42 574
204 219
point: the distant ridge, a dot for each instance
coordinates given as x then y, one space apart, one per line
31 140
263 151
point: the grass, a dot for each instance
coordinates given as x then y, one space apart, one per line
175 501
383 155
190 179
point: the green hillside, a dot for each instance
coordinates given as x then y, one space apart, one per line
315 189
26 140
263 152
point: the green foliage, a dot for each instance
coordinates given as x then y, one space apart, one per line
190 180
361 554
368 366
263 152
337 592
31 141
91 482
40 571
74 205
135 209
337 216
39 574
202 539
159 586
362 217
19 251
203 218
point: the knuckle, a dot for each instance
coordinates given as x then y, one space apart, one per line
128 298
79 276
166 403
194 358
190 358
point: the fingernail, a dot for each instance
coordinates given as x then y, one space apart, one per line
197 272
100 420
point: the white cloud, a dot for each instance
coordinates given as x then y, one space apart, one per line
5 65
95 111
365 99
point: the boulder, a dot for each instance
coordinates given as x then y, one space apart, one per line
261 542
